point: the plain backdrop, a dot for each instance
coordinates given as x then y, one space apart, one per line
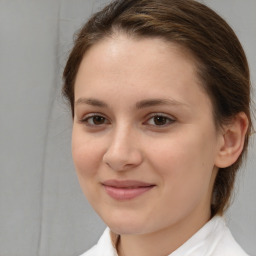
42 209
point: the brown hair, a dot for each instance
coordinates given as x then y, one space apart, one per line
221 61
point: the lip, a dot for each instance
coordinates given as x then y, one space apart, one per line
126 189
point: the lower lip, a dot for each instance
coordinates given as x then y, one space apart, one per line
126 193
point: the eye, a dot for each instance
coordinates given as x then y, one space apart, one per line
94 120
160 120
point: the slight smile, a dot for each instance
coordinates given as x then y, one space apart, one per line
126 189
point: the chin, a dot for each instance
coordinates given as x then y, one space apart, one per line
124 224
125 229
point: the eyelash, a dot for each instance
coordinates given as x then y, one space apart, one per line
168 119
89 117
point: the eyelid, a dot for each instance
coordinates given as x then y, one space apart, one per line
85 118
167 116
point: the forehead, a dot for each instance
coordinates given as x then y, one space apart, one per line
148 67
120 46
137 52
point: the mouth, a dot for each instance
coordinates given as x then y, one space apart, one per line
127 189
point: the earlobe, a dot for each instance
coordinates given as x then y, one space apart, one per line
232 141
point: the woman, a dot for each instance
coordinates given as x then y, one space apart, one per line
160 98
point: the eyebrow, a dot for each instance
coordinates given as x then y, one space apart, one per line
158 102
139 105
91 102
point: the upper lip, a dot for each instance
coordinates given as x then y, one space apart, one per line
126 183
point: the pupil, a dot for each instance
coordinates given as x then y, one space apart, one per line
160 120
98 120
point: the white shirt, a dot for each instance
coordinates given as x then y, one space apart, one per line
213 239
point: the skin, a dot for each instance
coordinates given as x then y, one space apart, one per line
178 155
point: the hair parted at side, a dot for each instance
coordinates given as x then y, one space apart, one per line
220 60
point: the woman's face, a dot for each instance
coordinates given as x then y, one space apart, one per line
144 141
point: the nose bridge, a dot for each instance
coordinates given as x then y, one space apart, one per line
121 138
123 151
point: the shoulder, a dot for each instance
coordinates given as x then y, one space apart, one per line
227 245
213 239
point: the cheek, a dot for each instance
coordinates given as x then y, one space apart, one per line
185 163
86 154
177 154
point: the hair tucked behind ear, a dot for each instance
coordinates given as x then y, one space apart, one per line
219 56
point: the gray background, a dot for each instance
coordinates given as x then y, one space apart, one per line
42 209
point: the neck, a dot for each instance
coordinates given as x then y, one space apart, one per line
156 243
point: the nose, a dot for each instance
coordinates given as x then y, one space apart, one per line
123 151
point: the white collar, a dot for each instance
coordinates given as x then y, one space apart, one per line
212 239
205 240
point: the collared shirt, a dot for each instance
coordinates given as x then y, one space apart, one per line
213 239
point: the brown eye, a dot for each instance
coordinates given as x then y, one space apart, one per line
94 120
160 120
98 120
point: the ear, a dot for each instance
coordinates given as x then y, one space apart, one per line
232 140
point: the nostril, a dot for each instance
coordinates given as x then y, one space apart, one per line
122 162
122 153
